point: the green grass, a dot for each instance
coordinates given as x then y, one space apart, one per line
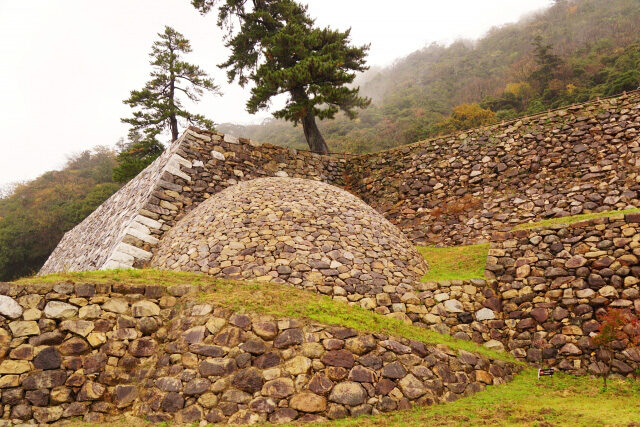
562 400
567 220
276 300
455 263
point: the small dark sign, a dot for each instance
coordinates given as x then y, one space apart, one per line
545 372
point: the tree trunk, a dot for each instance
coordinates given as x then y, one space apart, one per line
173 121
313 136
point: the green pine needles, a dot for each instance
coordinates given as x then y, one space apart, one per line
157 106
276 46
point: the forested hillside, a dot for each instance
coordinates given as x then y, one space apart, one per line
34 217
572 52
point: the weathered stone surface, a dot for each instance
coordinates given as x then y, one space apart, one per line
9 307
144 309
47 358
308 402
22 328
44 379
249 380
278 388
348 393
60 310
14 366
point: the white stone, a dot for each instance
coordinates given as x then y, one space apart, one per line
151 223
485 314
60 310
115 265
281 174
217 155
138 253
9 307
123 258
231 139
453 306
141 235
176 158
175 170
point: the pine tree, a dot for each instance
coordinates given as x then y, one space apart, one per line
548 63
158 105
136 154
279 49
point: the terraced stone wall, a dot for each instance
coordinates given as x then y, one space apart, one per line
101 351
460 188
124 230
546 294
555 284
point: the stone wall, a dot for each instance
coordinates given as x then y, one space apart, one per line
451 190
460 188
290 230
124 230
547 293
101 351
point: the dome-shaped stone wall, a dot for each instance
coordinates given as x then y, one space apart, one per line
303 232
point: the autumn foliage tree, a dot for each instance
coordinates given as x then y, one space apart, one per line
35 216
617 326
466 116
279 49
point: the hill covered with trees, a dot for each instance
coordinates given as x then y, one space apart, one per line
35 215
574 51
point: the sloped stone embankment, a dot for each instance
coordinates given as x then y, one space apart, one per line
99 351
460 188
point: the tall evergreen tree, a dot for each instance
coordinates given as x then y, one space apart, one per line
280 50
548 63
157 106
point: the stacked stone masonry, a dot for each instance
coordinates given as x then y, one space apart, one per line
124 231
548 292
289 230
103 351
460 188
450 190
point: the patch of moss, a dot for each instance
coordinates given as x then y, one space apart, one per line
276 300
568 220
455 263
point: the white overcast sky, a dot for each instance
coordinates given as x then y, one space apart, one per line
66 65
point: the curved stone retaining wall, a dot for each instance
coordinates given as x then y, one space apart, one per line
290 230
97 351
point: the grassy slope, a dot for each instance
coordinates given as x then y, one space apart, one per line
527 401
563 400
276 300
567 220
455 263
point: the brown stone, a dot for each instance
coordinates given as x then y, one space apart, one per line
341 358
308 402
249 380
289 338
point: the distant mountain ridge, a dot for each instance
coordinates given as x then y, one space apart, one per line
596 41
